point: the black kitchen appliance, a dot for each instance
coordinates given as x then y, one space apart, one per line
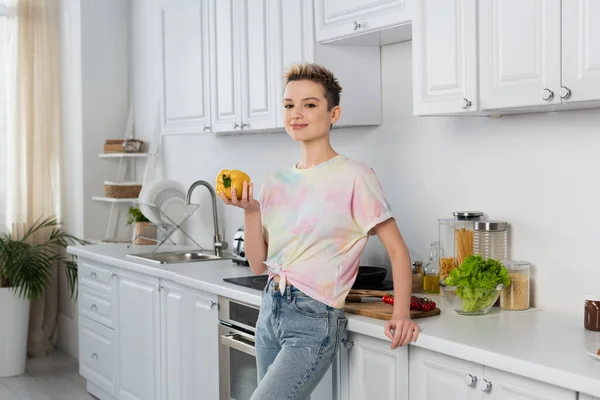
371 278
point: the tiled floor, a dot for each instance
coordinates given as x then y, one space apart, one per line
53 377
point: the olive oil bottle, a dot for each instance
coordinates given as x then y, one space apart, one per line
431 271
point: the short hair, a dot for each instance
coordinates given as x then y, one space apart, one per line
318 74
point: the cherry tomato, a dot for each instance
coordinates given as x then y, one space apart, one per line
432 304
426 307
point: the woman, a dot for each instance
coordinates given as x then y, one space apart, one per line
308 231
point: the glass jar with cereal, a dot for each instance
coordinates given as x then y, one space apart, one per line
516 295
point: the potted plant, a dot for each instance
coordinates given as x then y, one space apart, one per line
25 271
144 232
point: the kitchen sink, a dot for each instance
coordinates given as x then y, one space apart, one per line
174 257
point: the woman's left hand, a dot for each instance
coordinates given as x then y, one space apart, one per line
401 331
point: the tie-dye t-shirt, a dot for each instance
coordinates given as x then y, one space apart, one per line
318 221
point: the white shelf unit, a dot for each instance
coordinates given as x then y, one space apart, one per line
125 155
113 200
126 172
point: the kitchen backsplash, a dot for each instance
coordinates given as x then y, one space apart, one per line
536 171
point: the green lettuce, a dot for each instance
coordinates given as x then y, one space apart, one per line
475 280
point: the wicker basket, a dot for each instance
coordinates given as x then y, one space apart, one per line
122 190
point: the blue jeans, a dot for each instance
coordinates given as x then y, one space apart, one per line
297 339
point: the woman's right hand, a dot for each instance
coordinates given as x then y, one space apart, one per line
247 202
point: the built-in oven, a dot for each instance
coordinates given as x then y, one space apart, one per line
237 355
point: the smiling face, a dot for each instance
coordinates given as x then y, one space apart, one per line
306 115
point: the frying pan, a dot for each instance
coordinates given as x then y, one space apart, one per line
370 276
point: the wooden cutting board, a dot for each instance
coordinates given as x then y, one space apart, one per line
377 309
381 310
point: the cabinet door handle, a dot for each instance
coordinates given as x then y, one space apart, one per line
94 356
94 307
236 125
206 128
564 92
357 26
212 304
485 385
244 125
470 380
466 103
547 94
348 344
93 275
113 275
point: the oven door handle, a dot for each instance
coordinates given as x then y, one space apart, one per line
239 341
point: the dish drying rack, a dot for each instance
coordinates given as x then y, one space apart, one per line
162 230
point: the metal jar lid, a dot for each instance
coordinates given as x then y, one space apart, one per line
467 215
490 226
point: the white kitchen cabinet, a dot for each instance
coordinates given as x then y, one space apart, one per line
580 51
257 78
185 79
189 343
500 385
243 84
365 22
204 345
357 68
226 63
97 355
174 342
437 376
138 336
375 371
445 57
520 53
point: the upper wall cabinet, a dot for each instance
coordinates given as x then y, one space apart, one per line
185 91
581 51
533 55
520 53
445 57
242 81
224 63
363 22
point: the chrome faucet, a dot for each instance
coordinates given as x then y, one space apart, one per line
219 244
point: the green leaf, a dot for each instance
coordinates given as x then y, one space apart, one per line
135 215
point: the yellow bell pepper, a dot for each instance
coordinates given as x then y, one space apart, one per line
228 179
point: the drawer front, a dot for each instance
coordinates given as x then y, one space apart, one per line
97 306
95 275
97 354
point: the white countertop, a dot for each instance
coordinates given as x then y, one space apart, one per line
536 344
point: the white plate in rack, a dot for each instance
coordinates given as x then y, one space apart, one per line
168 196
175 209
592 350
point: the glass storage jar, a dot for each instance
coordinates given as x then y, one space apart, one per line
592 312
463 234
490 239
446 239
516 295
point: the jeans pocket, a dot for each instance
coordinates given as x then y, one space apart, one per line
309 307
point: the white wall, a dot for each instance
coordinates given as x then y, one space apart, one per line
94 83
105 101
